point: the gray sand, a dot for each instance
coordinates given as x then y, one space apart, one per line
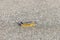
45 12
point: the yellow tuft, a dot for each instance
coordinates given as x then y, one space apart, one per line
28 25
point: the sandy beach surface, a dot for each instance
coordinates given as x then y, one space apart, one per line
45 12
